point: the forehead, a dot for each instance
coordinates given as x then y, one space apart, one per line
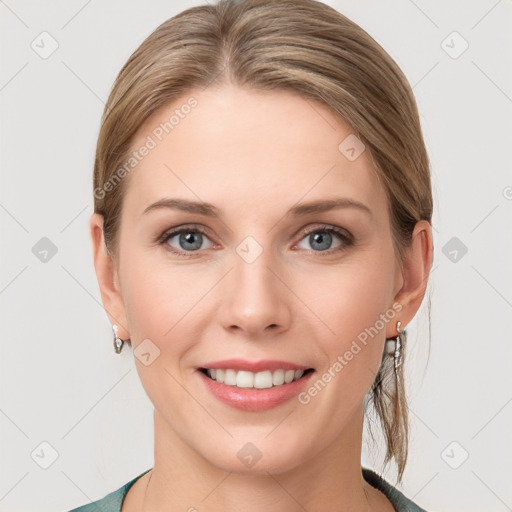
240 146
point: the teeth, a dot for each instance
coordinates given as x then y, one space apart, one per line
258 380
263 380
244 379
230 377
278 377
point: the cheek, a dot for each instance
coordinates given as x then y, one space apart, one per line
354 296
356 306
160 302
157 294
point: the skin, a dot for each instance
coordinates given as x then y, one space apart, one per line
254 155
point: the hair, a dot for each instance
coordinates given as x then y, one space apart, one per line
301 46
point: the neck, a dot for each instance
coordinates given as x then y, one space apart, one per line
331 480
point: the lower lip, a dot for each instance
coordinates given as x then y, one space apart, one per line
251 399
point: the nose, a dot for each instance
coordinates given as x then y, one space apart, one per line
255 299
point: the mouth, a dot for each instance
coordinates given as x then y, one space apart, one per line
245 379
255 387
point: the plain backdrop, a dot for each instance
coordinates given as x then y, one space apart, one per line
69 403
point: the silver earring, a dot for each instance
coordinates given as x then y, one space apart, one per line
398 347
118 342
394 347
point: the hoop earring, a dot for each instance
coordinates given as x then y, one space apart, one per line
118 342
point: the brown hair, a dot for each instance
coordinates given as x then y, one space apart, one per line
302 46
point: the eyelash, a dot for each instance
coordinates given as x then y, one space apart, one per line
343 235
346 238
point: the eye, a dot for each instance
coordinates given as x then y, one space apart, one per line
321 239
185 240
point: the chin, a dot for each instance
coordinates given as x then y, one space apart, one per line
256 458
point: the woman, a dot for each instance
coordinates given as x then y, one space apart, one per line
262 238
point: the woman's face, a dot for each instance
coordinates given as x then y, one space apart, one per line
255 277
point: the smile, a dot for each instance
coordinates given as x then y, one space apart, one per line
268 386
259 380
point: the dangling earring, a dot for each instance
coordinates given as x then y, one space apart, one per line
394 347
398 347
118 342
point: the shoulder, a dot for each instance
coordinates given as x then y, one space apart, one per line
112 502
397 499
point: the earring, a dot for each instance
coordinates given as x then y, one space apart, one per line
398 347
118 342
394 347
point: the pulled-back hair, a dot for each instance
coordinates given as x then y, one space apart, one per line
302 46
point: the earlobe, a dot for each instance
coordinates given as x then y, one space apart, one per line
106 274
415 272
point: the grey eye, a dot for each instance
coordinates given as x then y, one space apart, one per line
321 240
188 240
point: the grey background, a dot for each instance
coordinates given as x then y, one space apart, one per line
62 383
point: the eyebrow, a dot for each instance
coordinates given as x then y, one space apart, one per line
299 210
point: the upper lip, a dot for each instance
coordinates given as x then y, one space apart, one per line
254 366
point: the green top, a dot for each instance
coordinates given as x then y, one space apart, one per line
112 502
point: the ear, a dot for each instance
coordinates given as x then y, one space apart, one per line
108 278
414 275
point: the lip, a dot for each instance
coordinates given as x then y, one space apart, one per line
251 399
253 366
